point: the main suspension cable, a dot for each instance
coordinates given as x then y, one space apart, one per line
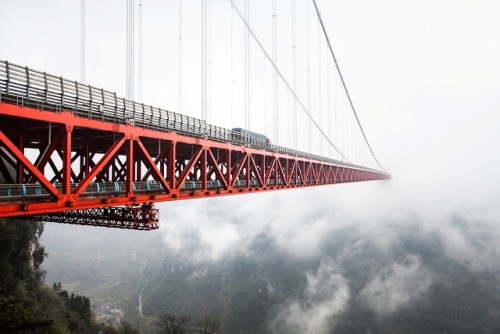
343 83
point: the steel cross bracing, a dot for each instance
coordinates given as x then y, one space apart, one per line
65 152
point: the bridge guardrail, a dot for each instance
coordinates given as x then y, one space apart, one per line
30 191
28 87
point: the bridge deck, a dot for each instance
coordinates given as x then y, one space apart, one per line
68 146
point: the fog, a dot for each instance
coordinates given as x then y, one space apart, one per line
396 286
380 218
300 220
326 294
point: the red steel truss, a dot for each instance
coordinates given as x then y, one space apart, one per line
53 162
78 154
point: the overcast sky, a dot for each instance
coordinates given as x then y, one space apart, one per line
424 77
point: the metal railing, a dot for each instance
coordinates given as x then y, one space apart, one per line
27 191
30 191
27 87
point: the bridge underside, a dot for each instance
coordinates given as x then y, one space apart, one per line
53 162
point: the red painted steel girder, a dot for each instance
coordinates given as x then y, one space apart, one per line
57 161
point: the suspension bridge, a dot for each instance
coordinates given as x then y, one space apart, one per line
78 154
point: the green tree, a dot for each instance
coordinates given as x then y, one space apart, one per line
172 324
27 305
127 328
20 257
208 325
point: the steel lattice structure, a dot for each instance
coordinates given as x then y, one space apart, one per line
143 217
65 146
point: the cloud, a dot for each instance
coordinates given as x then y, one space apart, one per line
396 286
211 228
325 295
471 239
198 274
204 233
301 221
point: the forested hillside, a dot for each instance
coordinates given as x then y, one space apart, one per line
411 288
27 304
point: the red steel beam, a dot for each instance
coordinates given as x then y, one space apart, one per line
22 160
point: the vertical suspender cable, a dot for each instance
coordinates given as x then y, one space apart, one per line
82 41
320 93
127 53
139 60
264 87
329 103
232 67
294 69
209 60
130 50
204 60
179 60
308 36
344 127
275 79
336 118
266 97
247 66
